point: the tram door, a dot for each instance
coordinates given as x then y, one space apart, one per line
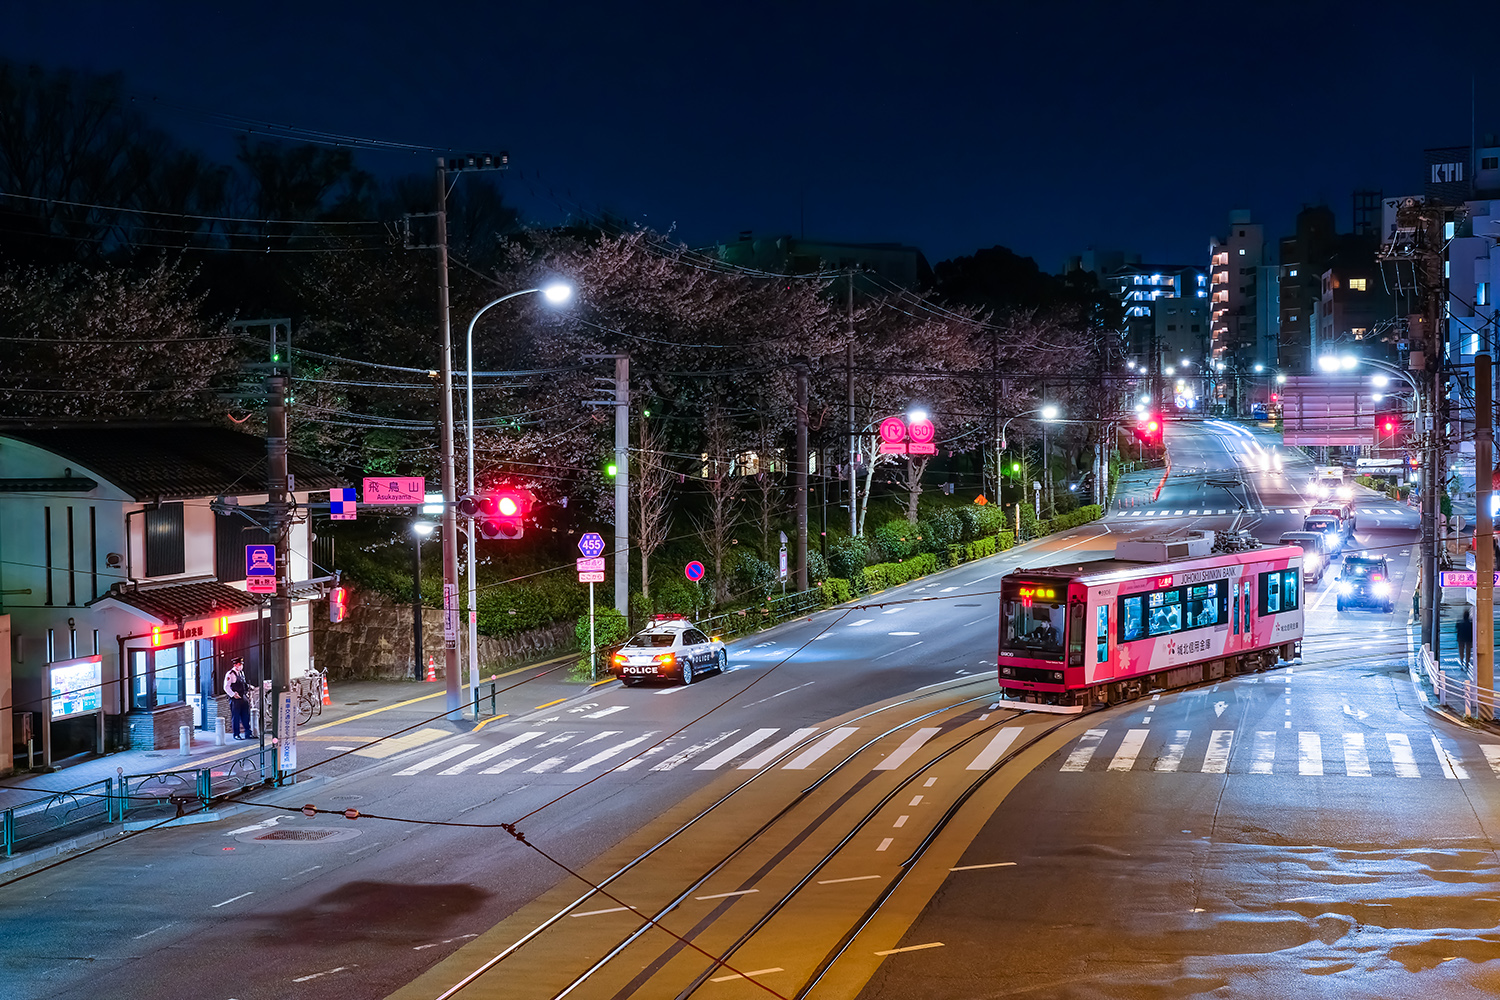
1076 636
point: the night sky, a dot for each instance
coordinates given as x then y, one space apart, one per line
1043 127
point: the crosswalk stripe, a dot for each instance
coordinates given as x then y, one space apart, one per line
996 748
1356 761
1192 512
545 765
437 759
1130 748
1264 755
505 765
1223 510
611 710
1309 754
1216 761
1083 751
905 750
680 758
778 748
821 747
1401 756
1492 754
607 753
1453 766
718 760
491 753
1172 759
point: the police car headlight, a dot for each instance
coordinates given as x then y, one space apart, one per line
1382 589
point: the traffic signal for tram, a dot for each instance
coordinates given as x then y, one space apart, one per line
500 513
1148 429
338 604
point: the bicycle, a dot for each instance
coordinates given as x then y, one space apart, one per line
309 692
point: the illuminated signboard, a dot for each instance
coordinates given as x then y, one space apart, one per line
1035 592
77 686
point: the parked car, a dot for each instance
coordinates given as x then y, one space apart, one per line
1365 582
670 648
1317 555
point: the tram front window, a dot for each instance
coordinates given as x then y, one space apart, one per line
1033 621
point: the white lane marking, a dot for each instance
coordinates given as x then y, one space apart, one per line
911 947
1309 754
607 753
901 650
975 622
744 975
857 878
492 752
424 947
900 821
302 872
606 711
595 913
232 899
1192 512
264 824
915 801
905 750
682 757
929 782
674 689
437 759
1173 757
1219 707
992 752
1263 759
1356 761
718 760
903 633
329 972
992 864
778 748
161 928
1084 751
778 694
1216 760
1492 754
818 749
726 895
862 621
891 611
947 590
887 842
1453 765
1130 748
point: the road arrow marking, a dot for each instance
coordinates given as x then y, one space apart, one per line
1358 714
1219 707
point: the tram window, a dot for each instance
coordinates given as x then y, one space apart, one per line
1166 612
1132 621
1101 633
1205 605
1032 627
1279 591
1236 615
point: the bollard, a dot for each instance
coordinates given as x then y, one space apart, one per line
219 731
184 740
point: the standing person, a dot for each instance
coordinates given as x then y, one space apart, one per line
1463 631
238 691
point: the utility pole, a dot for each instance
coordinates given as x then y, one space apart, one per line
450 498
280 515
801 477
1484 534
622 484
853 430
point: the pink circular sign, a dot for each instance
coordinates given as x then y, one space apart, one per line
892 430
922 431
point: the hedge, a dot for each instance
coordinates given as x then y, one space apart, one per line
836 591
1072 519
885 575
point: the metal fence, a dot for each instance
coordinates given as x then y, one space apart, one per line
102 803
1453 692
774 611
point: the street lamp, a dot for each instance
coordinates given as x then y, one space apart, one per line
420 530
557 293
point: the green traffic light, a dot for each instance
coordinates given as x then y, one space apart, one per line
610 470
1015 467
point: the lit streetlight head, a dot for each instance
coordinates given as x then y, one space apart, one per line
1380 381
1328 363
1348 361
917 416
1259 367
557 292
1049 412
423 528
1145 397
1280 378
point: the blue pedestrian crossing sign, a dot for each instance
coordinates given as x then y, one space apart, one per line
591 545
260 569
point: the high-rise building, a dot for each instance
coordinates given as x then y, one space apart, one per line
1315 248
1236 294
1141 289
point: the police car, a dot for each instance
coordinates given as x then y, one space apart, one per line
670 648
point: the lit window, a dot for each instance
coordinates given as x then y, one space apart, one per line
1202 294
1357 284
1291 319
1482 293
1242 251
1359 332
1292 273
1473 344
1448 230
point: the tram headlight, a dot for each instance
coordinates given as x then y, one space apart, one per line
1057 677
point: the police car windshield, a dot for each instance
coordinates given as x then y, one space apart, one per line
1320 524
1362 567
654 639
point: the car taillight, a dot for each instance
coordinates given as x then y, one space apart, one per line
619 658
667 659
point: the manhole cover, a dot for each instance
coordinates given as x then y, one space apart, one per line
346 798
966 605
296 835
153 755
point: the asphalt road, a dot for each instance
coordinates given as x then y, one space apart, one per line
284 905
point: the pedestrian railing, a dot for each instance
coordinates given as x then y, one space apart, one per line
1475 701
773 612
56 813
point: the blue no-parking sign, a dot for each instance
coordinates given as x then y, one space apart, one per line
693 571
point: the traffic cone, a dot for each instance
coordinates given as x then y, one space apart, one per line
431 669
326 700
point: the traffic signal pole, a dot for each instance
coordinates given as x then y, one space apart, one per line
1484 534
280 515
450 521
622 484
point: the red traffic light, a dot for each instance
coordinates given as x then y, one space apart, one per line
338 604
500 513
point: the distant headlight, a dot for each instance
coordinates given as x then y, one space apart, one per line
1276 459
1382 589
1265 463
1346 588
1309 562
1346 493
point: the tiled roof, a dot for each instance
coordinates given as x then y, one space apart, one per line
171 461
185 601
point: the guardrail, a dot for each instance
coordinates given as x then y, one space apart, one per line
55 812
776 610
1450 691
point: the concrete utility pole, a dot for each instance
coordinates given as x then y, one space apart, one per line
450 499
1484 533
801 477
853 430
622 484
280 515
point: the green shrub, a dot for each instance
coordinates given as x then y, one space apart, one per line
896 540
817 567
836 591
883 576
640 607
753 576
980 521
1083 515
677 595
943 529
847 557
1007 540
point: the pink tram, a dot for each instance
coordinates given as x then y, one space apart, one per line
1163 613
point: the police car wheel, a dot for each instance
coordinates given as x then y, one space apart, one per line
1340 605
687 671
629 682
722 661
